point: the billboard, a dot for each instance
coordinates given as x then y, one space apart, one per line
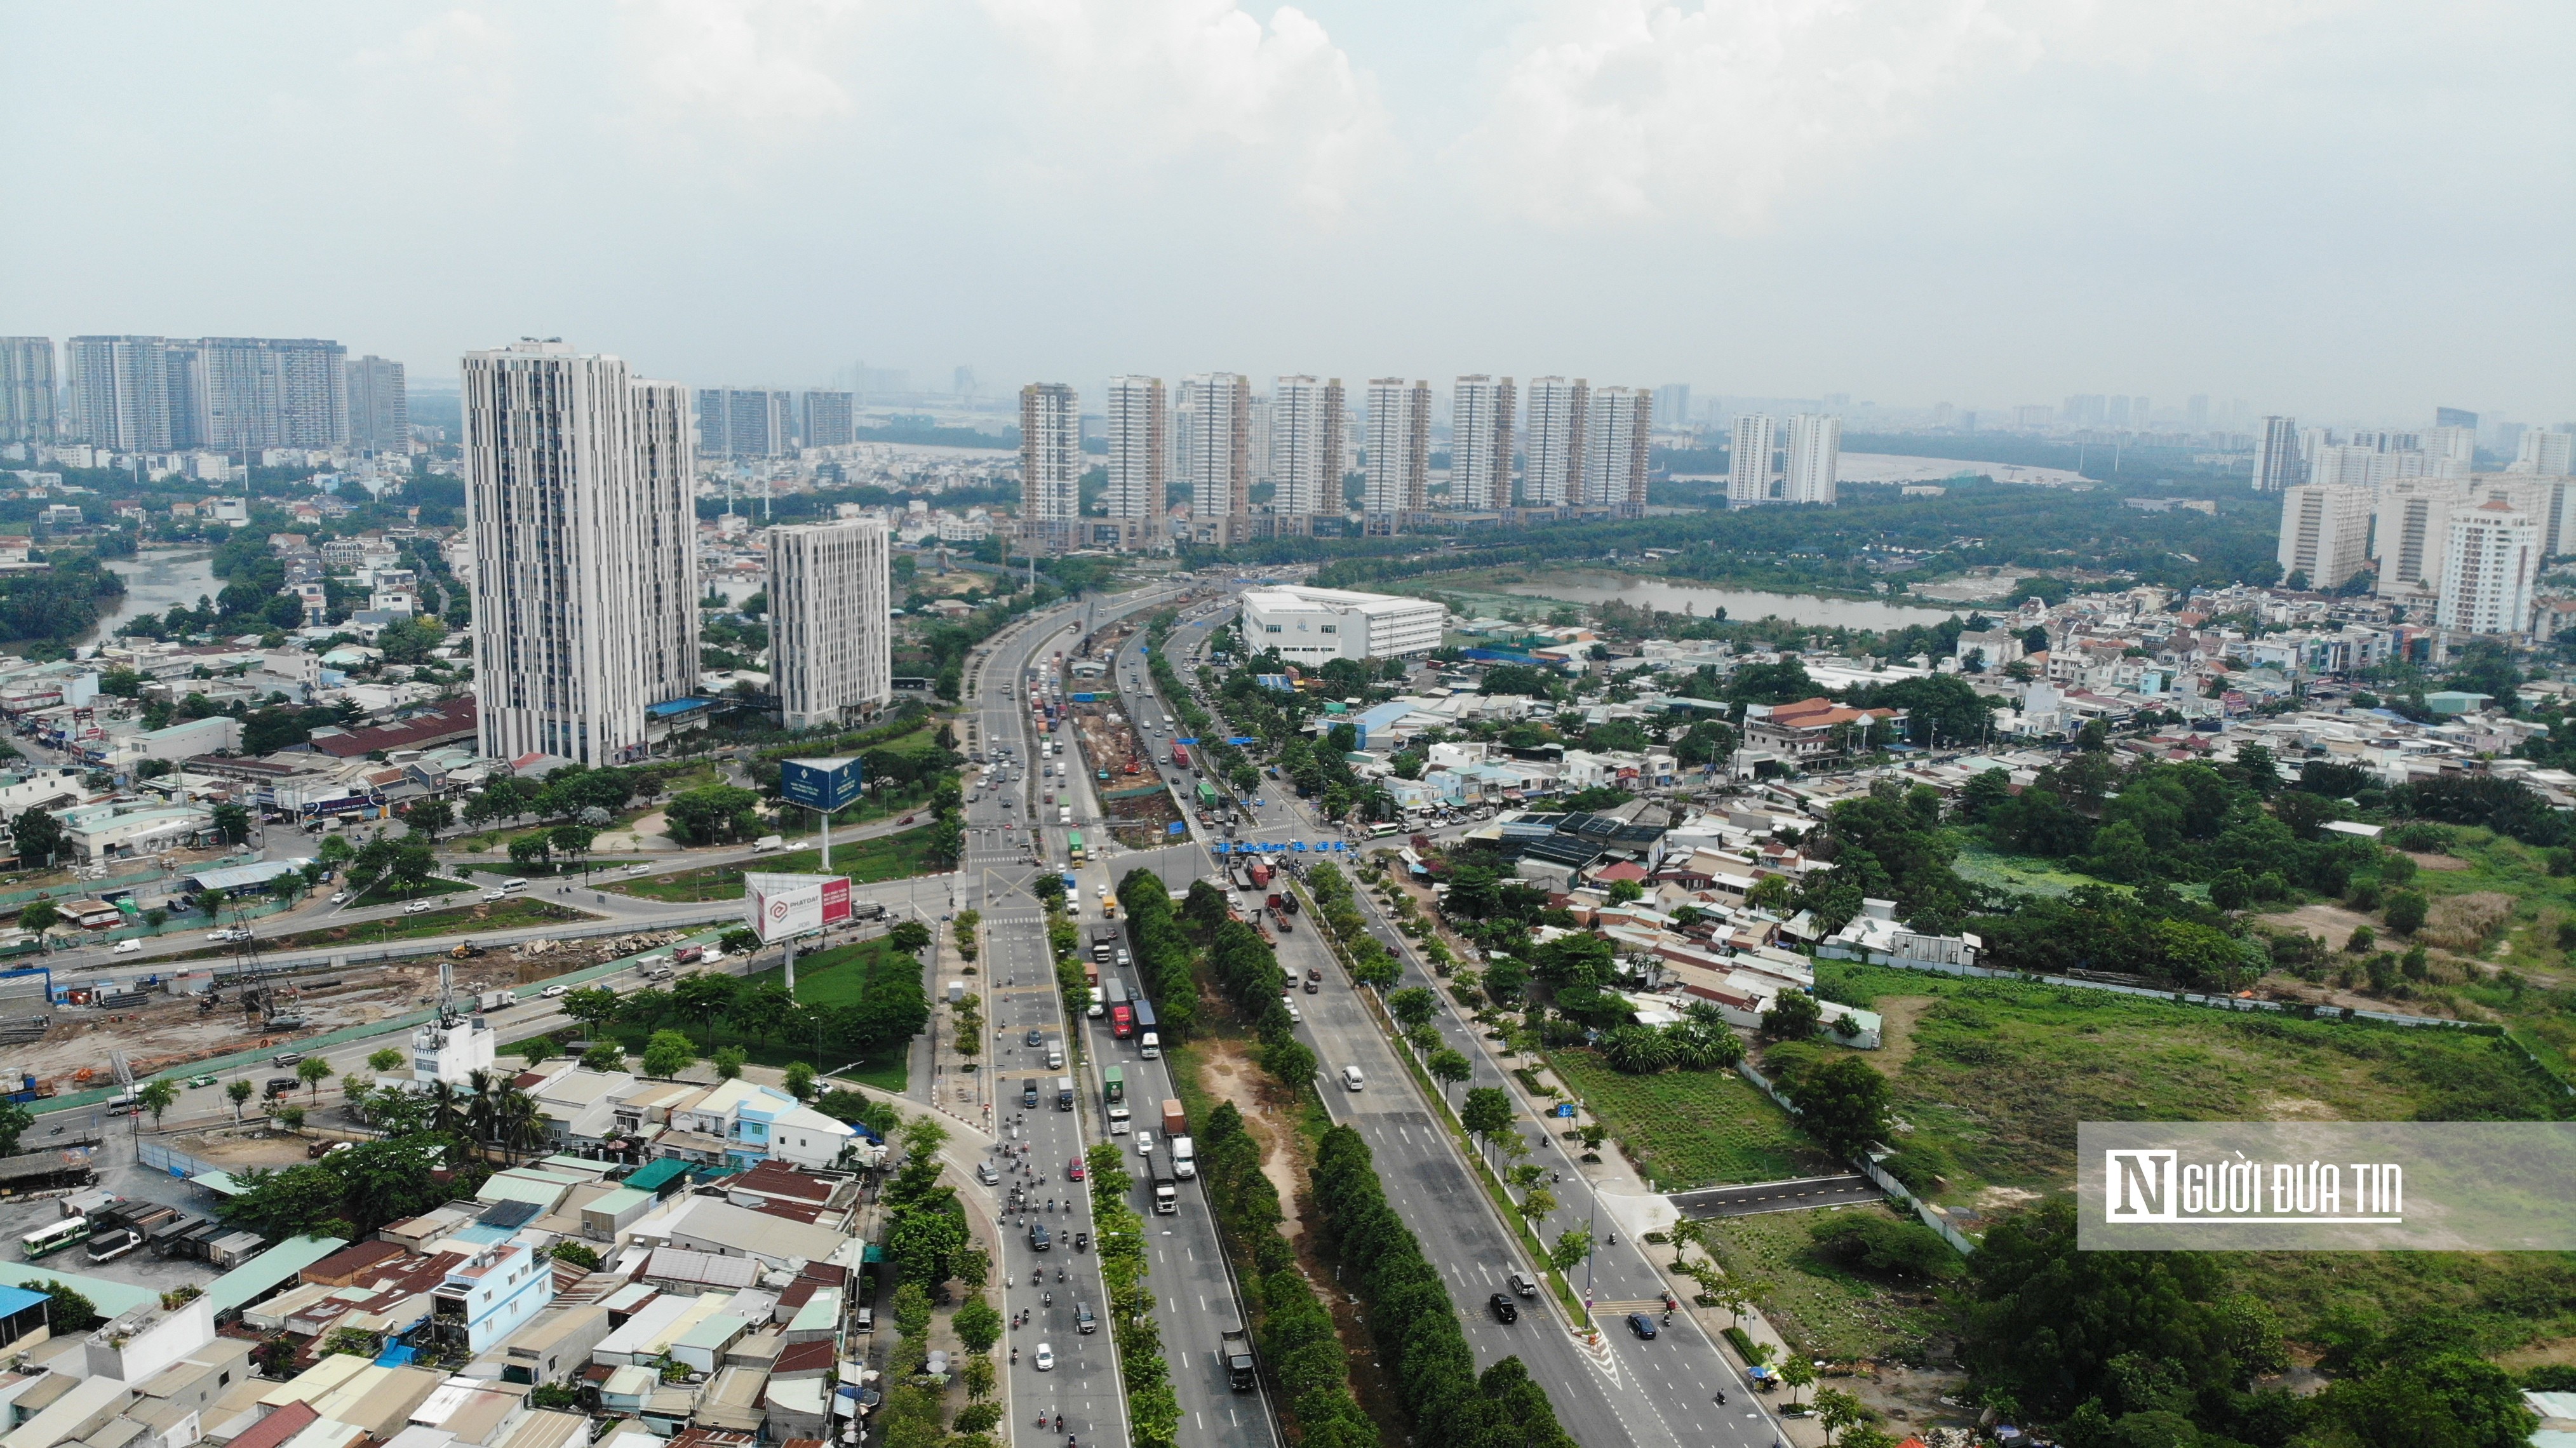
824 784
779 906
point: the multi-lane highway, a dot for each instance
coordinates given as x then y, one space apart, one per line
1193 1294
1623 1390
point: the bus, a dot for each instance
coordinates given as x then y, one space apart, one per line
1073 843
53 1237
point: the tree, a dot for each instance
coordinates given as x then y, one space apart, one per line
387 1061
2405 911
978 1326
1572 1246
537 1050
313 1071
232 822
799 1080
290 1117
1413 1007
730 1061
39 916
530 850
668 1054
591 1006
1487 1113
1536 1205
1796 1373
605 1056
713 815
69 1312
577 1254
912 937
39 837
1835 1409
1448 1068
1794 1016
157 1096
240 1092
1841 1103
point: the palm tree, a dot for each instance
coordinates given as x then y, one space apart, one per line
517 1125
481 1092
446 1108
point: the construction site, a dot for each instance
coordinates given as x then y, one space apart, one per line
196 1014
1139 809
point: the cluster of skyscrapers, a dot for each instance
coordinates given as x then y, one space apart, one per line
225 394
1586 451
1797 459
580 510
766 422
2407 514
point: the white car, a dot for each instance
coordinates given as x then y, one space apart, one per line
1046 1358
418 907
491 895
1144 1143
129 947
550 992
639 868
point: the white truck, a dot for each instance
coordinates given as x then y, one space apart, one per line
1185 1158
493 1000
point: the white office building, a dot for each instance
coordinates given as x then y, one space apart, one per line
1552 474
2277 460
2552 454
1137 467
27 389
1618 427
1050 465
2325 533
1812 459
1482 411
1309 626
2488 570
1753 474
831 634
1399 453
1306 445
585 586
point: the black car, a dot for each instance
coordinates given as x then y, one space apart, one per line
1035 1037
1505 1310
1642 1325
1029 1094
1039 1242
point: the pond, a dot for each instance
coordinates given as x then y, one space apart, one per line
154 581
1742 605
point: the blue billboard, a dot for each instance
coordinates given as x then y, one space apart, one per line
824 784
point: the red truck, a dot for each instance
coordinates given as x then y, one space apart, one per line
1260 875
1181 756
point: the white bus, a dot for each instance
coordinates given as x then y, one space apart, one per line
53 1237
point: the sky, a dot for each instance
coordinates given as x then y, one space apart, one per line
2345 209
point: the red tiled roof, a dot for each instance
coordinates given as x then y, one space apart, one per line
279 1426
803 1357
451 719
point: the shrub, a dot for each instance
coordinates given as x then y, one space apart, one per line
2405 911
2363 938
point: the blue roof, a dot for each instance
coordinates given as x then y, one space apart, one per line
15 1300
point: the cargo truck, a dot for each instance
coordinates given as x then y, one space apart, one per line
1064 1093
493 1000
1167 1194
1174 1123
1237 1353
1113 1085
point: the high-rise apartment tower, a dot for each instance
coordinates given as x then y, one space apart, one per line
27 389
1137 467
830 621
2277 462
1050 465
1617 429
1482 410
1552 474
1306 446
1399 453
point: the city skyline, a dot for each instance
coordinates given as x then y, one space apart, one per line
2089 200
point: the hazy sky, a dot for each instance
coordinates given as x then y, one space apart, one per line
2349 210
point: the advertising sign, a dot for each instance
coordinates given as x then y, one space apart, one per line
824 784
779 906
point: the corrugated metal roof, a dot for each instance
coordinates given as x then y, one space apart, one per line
268 1271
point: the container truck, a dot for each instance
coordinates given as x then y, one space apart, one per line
1064 1093
1167 1192
1113 1085
1144 1014
1181 756
1174 1123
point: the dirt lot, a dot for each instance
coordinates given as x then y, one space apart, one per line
1109 741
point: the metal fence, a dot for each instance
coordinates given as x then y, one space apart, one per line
1888 1184
168 1159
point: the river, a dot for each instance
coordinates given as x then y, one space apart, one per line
1741 605
153 582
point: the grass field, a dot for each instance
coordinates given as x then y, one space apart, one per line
2000 1073
1692 1128
2026 874
507 915
828 978
1824 1309
887 857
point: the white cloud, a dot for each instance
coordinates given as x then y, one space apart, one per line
1634 110
1164 79
757 63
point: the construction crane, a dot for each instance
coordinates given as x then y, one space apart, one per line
272 1003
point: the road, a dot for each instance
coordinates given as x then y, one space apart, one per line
1187 1279
1622 1391
1753 1199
